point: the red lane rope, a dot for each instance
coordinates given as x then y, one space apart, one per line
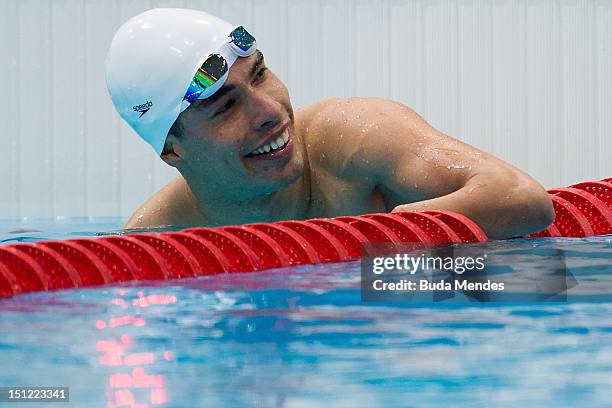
8 282
327 246
581 210
270 254
551 231
294 245
179 261
117 265
599 189
406 230
54 269
596 212
209 258
569 220
465 228
375 231
239 255
29 274
80 258
348 236
433 226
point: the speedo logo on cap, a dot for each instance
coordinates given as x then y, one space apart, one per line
144 108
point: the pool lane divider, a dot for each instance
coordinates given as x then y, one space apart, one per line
84 262
581 210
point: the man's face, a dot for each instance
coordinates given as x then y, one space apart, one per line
225 137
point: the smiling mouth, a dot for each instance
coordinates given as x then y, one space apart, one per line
272 146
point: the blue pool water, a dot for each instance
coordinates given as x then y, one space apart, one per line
302 337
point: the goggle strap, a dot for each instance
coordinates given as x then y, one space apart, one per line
228 53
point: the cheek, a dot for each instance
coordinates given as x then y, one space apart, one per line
279 89
282 95
220 145
230 134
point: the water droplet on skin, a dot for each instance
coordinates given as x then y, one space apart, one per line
456 166
478 185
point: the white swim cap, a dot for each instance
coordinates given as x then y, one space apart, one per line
152 61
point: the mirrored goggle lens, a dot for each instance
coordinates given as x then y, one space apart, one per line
207 75
242 39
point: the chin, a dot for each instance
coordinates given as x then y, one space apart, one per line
286 176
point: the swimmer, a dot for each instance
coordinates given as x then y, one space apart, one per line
198 90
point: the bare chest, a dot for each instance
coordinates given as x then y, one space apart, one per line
333 196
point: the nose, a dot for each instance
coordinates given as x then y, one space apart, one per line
266 112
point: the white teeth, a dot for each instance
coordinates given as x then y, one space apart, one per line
274 145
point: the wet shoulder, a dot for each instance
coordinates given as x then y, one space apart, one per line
336 132
173 205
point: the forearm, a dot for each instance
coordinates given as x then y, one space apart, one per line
502 210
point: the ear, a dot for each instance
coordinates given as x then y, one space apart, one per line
173 153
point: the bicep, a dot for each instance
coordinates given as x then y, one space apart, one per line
413 161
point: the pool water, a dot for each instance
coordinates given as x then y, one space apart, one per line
302 337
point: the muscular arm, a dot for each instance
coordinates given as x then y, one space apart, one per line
417 168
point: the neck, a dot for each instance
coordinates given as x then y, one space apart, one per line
216 206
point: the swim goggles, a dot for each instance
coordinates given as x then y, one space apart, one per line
214 70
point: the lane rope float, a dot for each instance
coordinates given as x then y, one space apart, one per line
581 210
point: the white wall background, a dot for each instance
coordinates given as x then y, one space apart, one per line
528 80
